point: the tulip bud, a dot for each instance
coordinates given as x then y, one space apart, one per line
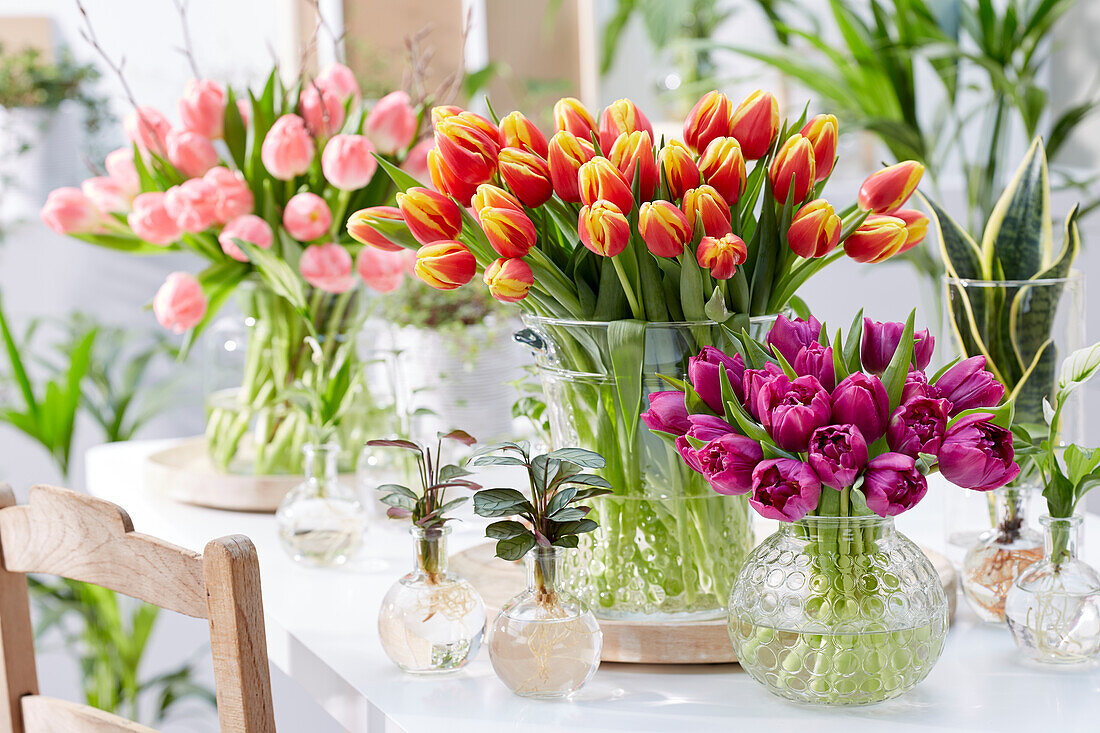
792 171
916 227
573 117
120 166
667 412
348 162
520 132
469 150
509 279
706 204
307 217
619 118
878 238
341 81
445 265
664 228
784 489
232 196
527 175
976 454
881 340
192 204
567 154
968 386
893 484
722 255
150 220
327 267
814 230
490 196
887 190
381 271
705 374
604 228
723 167
710 118
788 336
106 194
179 303
681 172
147 128
445 181
756 123
202 108
430 216
287 150
249 228
600 179
191 153
392 123
361 230
821 131
416 161
491 131
861 400
632 154
510 231
322 110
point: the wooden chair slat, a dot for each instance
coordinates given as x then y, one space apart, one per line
19 676
88 539
50 715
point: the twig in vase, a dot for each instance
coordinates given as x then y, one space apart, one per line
187 50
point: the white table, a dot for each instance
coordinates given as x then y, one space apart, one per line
321 632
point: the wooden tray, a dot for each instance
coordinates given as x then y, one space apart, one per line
698 642
184 473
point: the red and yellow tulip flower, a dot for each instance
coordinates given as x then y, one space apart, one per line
490 196
916 227
567 154
519 132
467 148
509 279
822 131
444 179
361 230
879 238
814 230
722 255
681 171
710 118
527 174
510 232
571 116
445 265
619 118
603 228
664 228
756 123
887 190
429 215
723 166
632 154
792 172
600 179
706 204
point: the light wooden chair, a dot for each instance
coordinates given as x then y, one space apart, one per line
76 536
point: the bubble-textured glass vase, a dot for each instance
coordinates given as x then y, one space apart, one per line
321 521
838 611
545 642
1053 609
431 621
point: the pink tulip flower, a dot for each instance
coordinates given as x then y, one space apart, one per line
348 162
233 197
180 303
69 211
147 128
150 220
248 227
191 153
202 108
416 162
322 110
106 194
328 267
287 149
120 166
391 123
307 217
381 270
341 81
192 204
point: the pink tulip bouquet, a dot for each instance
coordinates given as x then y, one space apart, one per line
259 186
833 438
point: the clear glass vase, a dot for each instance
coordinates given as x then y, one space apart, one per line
431 621
1013 323
667 546
838 611
545 642
1053 609
253 426
993 563
321 521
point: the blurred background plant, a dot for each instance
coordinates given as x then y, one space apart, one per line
105 372
954 84
29 80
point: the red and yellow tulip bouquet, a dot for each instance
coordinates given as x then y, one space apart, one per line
259 186
626 255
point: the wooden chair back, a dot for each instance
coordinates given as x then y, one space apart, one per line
77 536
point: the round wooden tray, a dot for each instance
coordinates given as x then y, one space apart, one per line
184 473
684 642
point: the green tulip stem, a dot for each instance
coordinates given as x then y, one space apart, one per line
631 298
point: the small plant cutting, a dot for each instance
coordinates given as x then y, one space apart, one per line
625 252
1049 601
829 436
552 515
544 642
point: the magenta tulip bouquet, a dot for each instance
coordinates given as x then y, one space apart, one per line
259 186
805 426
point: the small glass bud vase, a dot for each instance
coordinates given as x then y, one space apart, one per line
432 621
545 642
994 562
321 521
1053 609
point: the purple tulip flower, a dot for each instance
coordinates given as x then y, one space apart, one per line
754 379
667 413
978 455
816 360
892 484
784 489
916 385
787 337
704 428
881 340
918 426
705 375
837 453
791 410
968 385
728 461
861 400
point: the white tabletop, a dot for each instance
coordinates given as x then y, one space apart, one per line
321 631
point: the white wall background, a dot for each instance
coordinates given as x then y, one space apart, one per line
43 274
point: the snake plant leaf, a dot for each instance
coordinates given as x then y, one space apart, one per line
1018 234
961 255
